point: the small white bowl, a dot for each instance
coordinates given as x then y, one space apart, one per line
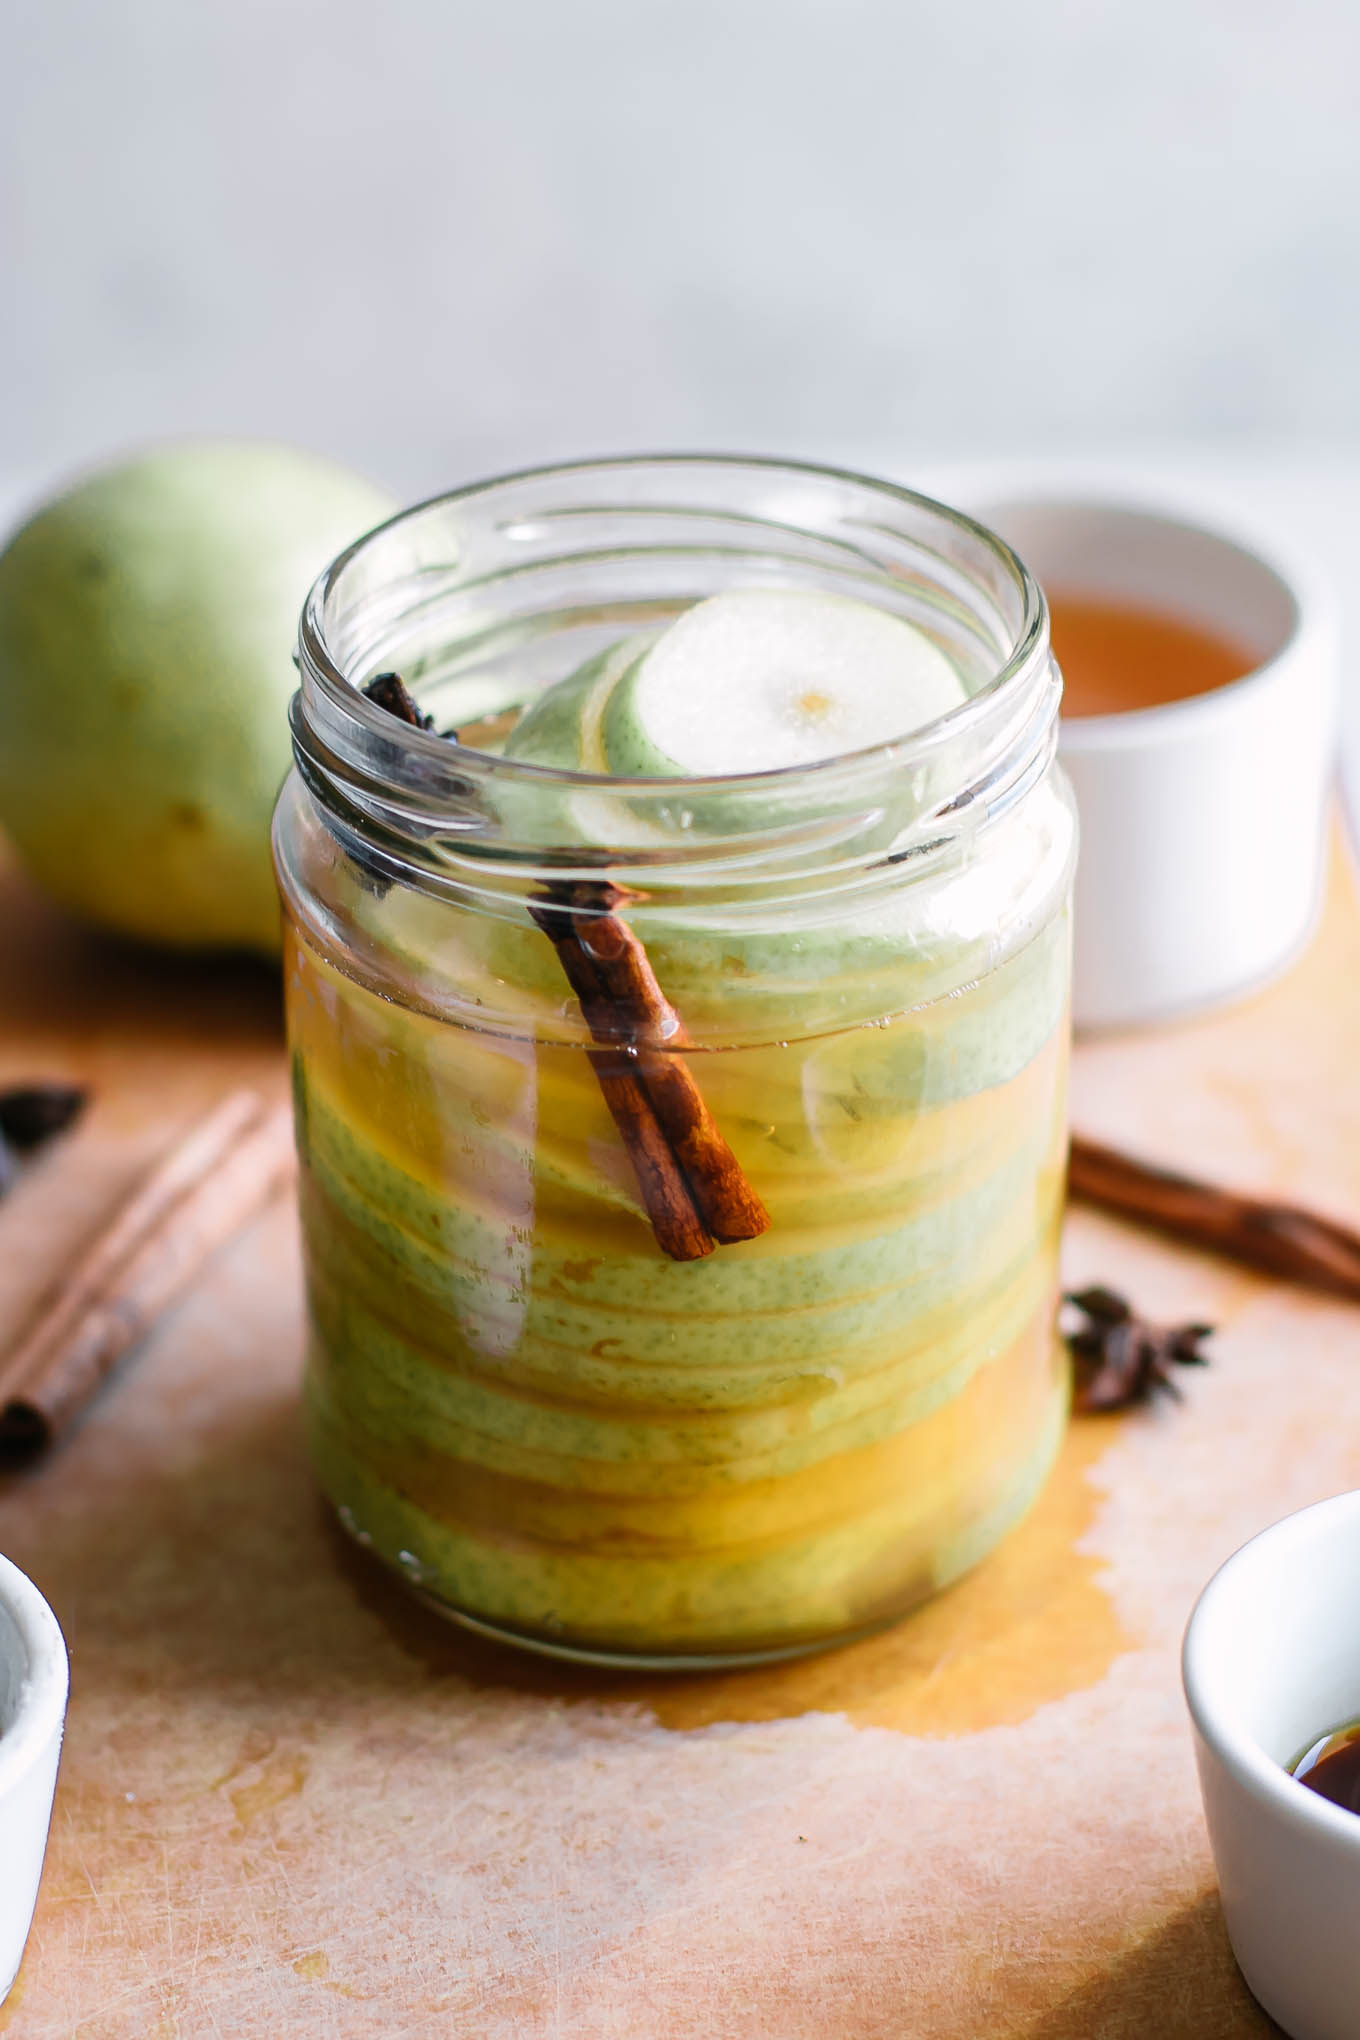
33 1684
1204 821
1271 1662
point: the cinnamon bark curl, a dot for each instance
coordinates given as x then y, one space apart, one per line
691 1184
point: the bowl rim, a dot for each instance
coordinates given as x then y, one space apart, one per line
1312 601
1255 1772
43 1692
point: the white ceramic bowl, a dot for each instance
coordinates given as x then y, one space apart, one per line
1272 1662
1203 822
33 1682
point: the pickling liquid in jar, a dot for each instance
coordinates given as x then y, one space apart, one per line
538 1418
575 1435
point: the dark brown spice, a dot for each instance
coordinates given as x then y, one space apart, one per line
692 1186
390 691
727 1204
1121 1358
121 1281
1283 1240
33 1113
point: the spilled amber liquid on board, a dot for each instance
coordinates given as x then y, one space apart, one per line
1116 656
969 1659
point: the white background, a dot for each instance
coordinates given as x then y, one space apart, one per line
437 238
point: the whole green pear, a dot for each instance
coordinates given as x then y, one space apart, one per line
147 624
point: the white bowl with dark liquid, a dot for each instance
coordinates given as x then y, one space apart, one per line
1272 1662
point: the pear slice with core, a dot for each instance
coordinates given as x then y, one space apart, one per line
763 678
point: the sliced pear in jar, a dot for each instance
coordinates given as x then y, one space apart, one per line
563 727
760 679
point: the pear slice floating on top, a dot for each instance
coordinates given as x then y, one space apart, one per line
760 679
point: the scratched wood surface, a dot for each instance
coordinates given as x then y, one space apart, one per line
291 1805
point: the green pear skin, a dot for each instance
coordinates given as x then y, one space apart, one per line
147 623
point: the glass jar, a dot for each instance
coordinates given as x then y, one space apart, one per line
516 1396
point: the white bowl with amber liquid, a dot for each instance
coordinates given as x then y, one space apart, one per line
1202 751
1271 1664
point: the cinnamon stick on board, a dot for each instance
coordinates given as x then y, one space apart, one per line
1278 1239
691 1183
175 1219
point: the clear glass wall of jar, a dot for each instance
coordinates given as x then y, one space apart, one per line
516 1396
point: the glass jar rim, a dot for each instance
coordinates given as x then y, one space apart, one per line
647 535
319 664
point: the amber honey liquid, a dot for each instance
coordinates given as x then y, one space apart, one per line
1331 1767
1116 656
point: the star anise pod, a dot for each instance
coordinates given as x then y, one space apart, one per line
1121 1358
390 691
33 1113
29 1115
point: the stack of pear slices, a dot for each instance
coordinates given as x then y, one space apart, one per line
752 681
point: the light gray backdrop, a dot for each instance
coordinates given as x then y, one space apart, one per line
438 238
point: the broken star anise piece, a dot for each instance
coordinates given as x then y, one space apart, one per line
33 1113
1122 1359
390 691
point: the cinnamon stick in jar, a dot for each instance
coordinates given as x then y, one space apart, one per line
727 1204
666 1196
692 1186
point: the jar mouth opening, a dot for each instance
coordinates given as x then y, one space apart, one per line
325 669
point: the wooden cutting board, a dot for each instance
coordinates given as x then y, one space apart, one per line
292 1805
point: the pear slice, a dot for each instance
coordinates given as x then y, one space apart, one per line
762 678
563 728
